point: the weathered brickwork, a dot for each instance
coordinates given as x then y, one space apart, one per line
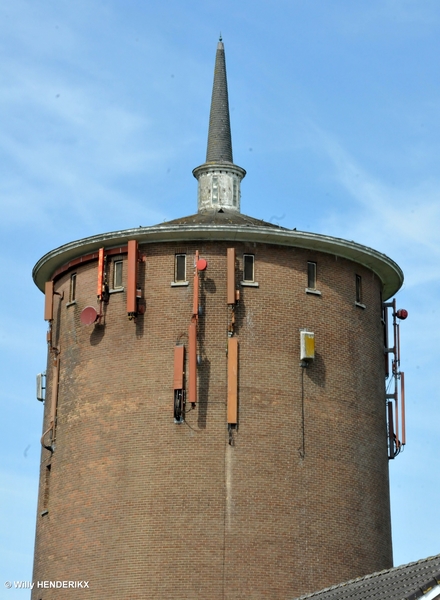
142 507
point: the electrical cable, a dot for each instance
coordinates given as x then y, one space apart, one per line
302 450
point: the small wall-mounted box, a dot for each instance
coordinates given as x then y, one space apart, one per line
307 345
41 386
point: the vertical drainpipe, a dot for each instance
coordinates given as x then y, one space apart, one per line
192 338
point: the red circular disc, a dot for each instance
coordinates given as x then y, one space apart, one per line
402 313
88 315
201 264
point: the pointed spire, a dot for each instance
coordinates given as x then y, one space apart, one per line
219 135
219 178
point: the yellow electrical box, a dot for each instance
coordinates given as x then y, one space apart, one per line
307 345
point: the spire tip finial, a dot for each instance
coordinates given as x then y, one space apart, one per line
220 39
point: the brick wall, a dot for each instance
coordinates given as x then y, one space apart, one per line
144 508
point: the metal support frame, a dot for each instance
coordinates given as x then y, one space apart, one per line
179 384
192 338
53 406
192 359
230 277
100 286
232 381
132 267
395 399
48 301
102 291
232 297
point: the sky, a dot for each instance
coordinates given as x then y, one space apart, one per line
335 115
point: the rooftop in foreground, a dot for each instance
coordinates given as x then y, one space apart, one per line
415 581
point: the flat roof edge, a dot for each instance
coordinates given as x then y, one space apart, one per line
384 267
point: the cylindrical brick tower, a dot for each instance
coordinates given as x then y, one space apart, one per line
214 422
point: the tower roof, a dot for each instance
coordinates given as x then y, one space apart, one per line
219 135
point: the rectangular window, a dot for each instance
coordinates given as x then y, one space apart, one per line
215 190
358 289
117 274
311 275
46 487
234 192
72 290
248 267
180 267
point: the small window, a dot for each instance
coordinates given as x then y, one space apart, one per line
358 289
248 267
311 275
180 267
215 190
72 290
117 274
46 487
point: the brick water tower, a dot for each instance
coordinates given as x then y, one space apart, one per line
216 423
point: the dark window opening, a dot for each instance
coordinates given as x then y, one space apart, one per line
117 274
358 289
72 291
46 487
248 267
311 275
180 267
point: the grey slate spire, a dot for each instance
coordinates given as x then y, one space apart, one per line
219 135
218 178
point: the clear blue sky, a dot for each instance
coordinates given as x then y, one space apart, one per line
335 110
